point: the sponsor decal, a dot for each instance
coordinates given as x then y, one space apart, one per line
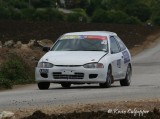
71 37
104 42
126 56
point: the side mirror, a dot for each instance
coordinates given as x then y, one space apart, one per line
46 49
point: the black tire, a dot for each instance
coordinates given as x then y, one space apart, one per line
66 85
43 85
127 80
109 79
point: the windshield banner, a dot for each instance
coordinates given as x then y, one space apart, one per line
84 37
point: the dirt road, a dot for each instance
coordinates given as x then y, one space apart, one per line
145 85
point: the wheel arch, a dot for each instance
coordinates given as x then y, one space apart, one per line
131 67
110 66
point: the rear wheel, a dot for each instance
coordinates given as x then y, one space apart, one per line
43 85
66 85
127 80
108 82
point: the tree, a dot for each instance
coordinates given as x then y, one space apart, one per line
113 16
42 3
4 13
93 5
117 16
140 10
100 16
78 16
117 4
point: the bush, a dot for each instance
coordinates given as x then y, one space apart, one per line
28 13
113 16
16 71
100 16
54 15
122 18
5 83
48 15
43 3
79 10
15 14
20 4
156 20
141 11
117 16
4 13
44 14
13 70
77 17
92 6
133 20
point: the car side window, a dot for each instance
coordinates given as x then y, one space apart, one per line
115 48
121 44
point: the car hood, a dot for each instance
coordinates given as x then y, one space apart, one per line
72 57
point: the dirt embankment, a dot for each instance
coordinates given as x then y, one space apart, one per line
24 31
155 114
143 109
135 37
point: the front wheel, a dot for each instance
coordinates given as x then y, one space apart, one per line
108 82
43 85
127 80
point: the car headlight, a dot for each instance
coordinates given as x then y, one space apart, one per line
44 65
93 65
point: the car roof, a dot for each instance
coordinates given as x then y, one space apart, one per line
101 33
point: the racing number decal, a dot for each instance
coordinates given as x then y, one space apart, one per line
119 63
126 57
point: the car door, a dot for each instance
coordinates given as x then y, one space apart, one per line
117 58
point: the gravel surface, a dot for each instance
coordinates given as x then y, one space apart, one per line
145 85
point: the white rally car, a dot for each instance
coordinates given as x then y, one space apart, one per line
85 57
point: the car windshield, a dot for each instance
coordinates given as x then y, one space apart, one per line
81 43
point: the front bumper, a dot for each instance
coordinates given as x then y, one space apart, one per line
70 74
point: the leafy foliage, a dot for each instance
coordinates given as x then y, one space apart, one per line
113 16
127 11
15 71
141 11
5 83
42 3
100 15
156 20
77 17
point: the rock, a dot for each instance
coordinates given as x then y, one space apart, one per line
18 44
7 115
25 46
9 43
45 43
31 43
0 44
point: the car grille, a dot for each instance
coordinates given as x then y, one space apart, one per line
68 65
59 75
